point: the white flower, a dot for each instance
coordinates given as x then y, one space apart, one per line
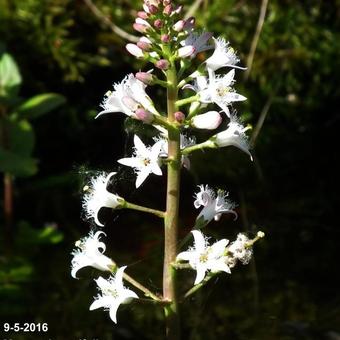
223 56
233 135
145 160
127 97
213 205
209 120
97 197
199 41
113 294
185 141
239 249
89 252
217 90
204 257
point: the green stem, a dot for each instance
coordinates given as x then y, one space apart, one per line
187 100
132 206
8 210
195 288
171 218
207 144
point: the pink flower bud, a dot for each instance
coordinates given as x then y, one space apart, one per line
145 77
135 50
144 45
142 15
153 9
158 23
179 116
209 120
166 2
165 38
186 51
162 64
179 25
144 116
140 28
178 10
168 9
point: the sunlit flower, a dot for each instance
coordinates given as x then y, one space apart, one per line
204 257
145 160
233 135
113 294
90 252
223 56
97 196
239 249
127 97
213 205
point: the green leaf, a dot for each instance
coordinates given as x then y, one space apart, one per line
40 104
10 78
16 164
21 137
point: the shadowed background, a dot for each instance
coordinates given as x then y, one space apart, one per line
290 289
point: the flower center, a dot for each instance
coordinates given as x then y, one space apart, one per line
222 91
146 161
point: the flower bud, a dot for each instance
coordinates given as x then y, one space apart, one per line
166 2
145 77
178 10
162 64
153 9
168 9
143 15
144 45
209 120
186 51
165 38
140 28
158 23
179 116
178 26
144 116
135 50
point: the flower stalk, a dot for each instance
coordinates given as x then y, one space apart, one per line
172 207
155 212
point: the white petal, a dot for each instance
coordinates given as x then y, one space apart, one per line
113 311
200 274
133 162
139 145
229 77
218 248
141 177
119 278
220 266
102 301
200 243
184 256
234 97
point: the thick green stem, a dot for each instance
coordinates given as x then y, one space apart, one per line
171 217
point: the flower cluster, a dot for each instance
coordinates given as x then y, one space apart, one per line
209 259
171 43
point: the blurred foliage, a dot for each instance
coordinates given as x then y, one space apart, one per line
291 291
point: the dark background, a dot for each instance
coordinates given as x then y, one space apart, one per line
290 191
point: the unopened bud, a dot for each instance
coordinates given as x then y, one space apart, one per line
143 15
162 64
165 38
145 77
140 28
168 9
179 25
166 2
186 51
178 10
179 116
153 9
135 50
144 116
158 23
144 45
209 120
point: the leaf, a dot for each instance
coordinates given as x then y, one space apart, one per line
40 105
16 164
10 78
21 137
